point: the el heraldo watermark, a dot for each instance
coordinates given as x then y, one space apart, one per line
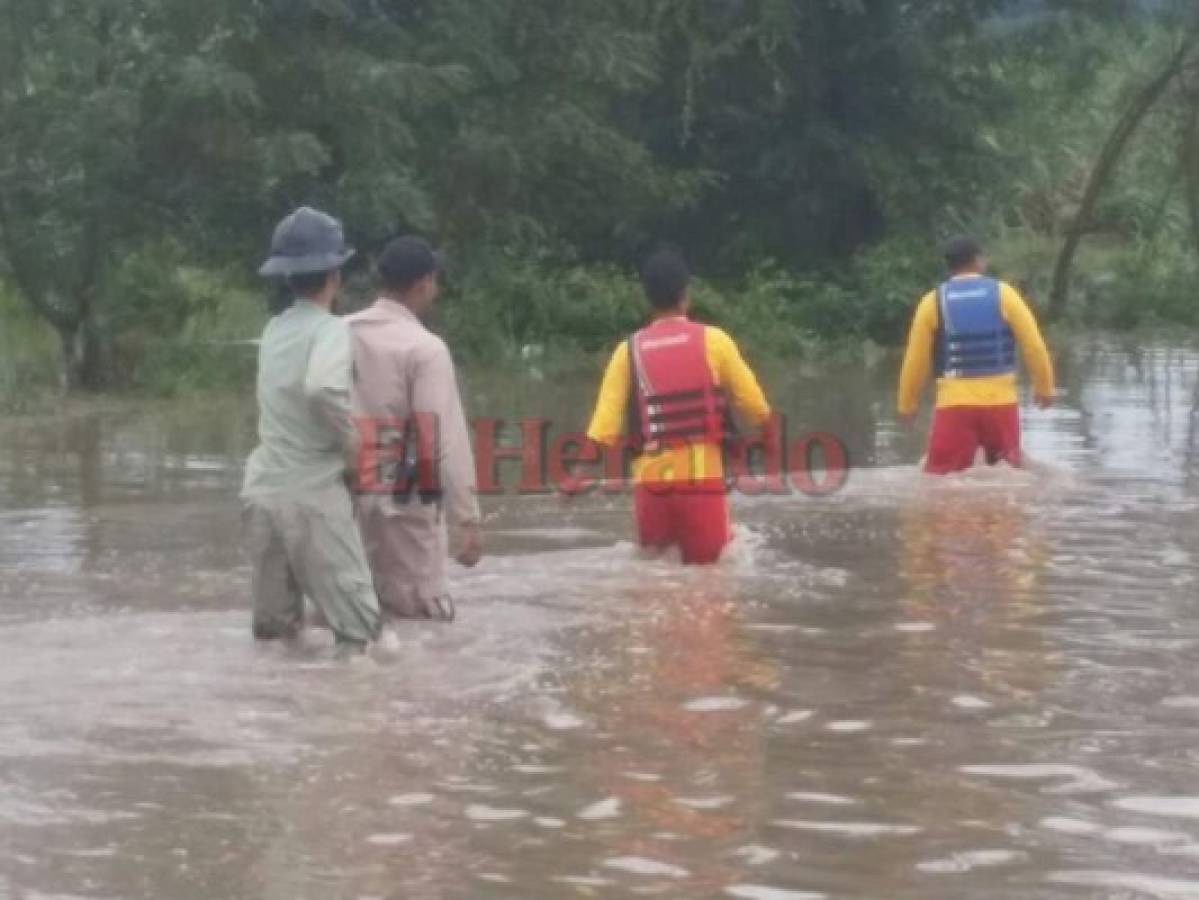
529 456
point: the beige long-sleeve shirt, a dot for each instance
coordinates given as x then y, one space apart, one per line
403 370
304 425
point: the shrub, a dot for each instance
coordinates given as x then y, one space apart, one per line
176 327
512 308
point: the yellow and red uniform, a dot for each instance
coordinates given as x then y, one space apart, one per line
680 487
973 410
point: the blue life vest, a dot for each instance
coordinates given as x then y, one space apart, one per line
974 339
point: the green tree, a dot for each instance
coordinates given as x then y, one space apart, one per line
124 123
543 151
821 124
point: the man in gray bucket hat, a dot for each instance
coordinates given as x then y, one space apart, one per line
300 532
305 243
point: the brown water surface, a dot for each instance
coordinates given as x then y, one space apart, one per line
981 687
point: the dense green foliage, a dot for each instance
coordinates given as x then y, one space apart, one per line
807 154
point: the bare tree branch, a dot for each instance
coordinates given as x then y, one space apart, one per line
1109 158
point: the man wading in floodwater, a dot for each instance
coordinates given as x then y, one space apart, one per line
669 386
967 332
300 532
417 470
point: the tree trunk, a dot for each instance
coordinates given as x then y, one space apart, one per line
1190 166
83 357
1105 166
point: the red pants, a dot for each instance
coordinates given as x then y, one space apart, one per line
693 516
959 431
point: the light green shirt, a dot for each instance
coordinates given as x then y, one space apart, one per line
304 426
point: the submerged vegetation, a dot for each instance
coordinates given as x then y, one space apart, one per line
808 156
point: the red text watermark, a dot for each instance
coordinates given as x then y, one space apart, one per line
527 456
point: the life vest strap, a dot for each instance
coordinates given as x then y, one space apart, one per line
697 410
981 337
678 415
677 397
688 433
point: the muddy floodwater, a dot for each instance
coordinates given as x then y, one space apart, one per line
984 687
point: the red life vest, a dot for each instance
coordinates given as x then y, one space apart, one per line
674 397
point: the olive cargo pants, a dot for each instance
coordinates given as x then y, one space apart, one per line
308 545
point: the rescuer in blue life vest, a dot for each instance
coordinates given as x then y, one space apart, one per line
967 332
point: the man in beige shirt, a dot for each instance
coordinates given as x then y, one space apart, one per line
409 491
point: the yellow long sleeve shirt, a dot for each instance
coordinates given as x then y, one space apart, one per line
695 460
990 390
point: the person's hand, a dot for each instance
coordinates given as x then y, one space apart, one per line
349 475
1046 401
471 550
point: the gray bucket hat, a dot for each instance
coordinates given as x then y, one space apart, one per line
306 242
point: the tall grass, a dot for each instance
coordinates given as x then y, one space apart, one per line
30 356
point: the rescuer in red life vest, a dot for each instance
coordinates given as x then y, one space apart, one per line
669 389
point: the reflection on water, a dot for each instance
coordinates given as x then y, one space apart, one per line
980 687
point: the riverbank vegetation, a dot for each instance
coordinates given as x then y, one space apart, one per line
808 156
